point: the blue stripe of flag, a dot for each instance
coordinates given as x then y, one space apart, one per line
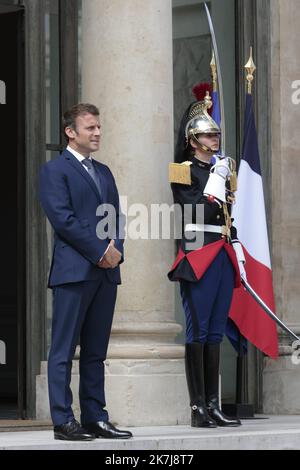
216 114
250 145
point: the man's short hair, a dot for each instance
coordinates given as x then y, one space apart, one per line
70 116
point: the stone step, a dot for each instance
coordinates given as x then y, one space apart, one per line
262 433
17 425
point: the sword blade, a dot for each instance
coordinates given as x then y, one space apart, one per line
220 81
267 309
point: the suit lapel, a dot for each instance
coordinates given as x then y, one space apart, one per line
79 167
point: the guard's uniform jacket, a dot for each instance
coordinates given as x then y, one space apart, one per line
191 264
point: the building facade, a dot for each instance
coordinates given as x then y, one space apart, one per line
137 61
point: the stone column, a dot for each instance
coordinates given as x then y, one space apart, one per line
127 72
282 377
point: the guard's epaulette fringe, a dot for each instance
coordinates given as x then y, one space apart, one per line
180 173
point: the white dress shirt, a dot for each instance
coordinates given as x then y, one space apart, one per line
79 157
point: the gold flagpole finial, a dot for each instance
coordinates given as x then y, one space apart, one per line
213 68
250 69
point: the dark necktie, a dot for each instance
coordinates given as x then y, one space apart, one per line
92 172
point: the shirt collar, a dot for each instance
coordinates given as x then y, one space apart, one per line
77 155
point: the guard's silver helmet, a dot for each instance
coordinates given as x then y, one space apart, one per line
200 122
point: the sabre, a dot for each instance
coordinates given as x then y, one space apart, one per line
268 311
220 82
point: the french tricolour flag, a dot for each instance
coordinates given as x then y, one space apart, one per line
250 220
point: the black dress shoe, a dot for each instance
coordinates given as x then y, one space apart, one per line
107 430
72 431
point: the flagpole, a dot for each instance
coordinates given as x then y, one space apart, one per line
242 360
250 69
243 408
214 74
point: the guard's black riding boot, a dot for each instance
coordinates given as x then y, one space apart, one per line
211 380
195 381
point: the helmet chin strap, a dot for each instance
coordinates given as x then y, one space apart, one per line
204 148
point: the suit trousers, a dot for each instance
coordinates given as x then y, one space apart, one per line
82 312
207 302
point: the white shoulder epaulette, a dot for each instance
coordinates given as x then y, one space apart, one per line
180 173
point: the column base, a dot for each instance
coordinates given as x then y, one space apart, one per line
281 381
147 393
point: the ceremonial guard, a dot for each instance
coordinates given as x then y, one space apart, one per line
210 259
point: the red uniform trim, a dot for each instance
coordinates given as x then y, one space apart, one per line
201 259
179 257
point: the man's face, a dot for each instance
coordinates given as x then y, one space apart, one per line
210 140
86 137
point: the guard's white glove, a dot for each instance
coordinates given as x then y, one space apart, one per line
239 252
216 183
222 167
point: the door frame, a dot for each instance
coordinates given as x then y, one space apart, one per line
21 225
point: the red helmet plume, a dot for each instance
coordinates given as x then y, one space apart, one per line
199 91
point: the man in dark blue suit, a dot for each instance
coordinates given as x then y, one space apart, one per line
84 275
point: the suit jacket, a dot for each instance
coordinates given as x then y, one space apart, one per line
70 200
